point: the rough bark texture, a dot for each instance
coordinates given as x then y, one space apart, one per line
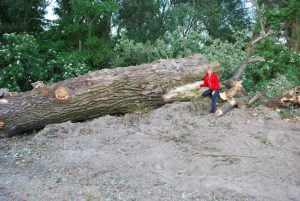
295 35
226 107
109 91
255 98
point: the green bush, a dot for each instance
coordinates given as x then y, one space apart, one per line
98 53
279 61
184 45
132 53
20 62
65 65
172 45
277 86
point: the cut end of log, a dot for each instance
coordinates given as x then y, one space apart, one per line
219 113
62 94
237 86
232 102
223 96
2 123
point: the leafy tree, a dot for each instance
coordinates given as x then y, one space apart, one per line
284 14
22 16
171 45
84 26
23 62
183 18
138 19
20 62
222 17
81 19
279 61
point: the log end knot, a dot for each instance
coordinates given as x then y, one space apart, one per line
62 93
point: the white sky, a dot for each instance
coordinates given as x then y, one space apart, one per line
50 12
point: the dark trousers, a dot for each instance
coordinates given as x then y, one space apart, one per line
213 98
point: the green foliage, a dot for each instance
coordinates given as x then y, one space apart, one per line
170 46
230 55
138 19
221 18
183 45
279 60
64 65
21 16
98 52
133 53
277 86
282 14
20 62
183 18
81 20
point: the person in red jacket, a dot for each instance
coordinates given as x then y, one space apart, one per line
211 80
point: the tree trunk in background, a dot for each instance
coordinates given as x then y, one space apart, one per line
295 35
109 91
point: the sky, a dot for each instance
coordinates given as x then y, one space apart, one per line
50 12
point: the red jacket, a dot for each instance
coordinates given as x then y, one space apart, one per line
211 82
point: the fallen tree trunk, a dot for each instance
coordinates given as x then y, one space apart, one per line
254 98
109 91
226 107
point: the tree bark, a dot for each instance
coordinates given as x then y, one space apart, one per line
295 35
109 91
226 107
255 98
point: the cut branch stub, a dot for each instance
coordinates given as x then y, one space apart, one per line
62 93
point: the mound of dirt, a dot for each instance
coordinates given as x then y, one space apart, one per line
177 152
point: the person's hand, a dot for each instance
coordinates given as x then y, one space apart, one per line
201 82
213 93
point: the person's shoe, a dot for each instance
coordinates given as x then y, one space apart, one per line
212 111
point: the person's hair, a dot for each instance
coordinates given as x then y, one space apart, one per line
209 67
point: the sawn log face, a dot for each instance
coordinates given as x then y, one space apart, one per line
109 91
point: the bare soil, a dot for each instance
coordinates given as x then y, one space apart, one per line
176 152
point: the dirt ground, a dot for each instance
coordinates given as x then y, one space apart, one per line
177 152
